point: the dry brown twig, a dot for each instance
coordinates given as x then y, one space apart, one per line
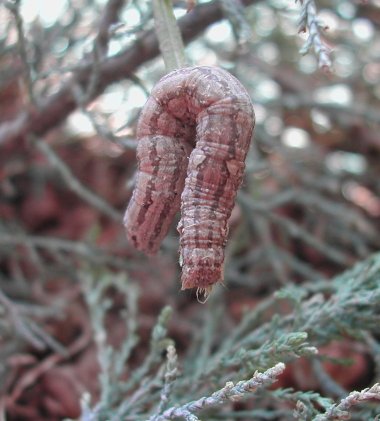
54 110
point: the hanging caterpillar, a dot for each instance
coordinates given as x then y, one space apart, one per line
194 133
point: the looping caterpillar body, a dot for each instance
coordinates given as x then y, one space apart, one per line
194 133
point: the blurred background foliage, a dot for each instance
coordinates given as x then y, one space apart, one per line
85 328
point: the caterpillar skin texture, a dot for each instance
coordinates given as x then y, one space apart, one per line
194 133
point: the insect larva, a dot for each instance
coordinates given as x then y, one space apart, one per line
194 133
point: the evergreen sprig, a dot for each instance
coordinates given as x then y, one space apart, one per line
347 306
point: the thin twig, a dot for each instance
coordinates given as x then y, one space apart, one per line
230 392
75 185
310 21
55 109
170 376
342 410
110 16
19 324
14 8
31 376
169 35
52 244
234 12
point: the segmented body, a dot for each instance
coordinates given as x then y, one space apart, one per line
194 133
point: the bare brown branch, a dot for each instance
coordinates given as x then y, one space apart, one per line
57 107
109 17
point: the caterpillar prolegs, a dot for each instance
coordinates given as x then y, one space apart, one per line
194 133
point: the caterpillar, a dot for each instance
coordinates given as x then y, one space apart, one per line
193 137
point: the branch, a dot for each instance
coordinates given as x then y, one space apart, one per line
94 254
110 17
99 52
229 392
310 21
14 8
75 185
341 411
169 35
234 12
57 107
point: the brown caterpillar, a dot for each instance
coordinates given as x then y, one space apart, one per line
194 133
